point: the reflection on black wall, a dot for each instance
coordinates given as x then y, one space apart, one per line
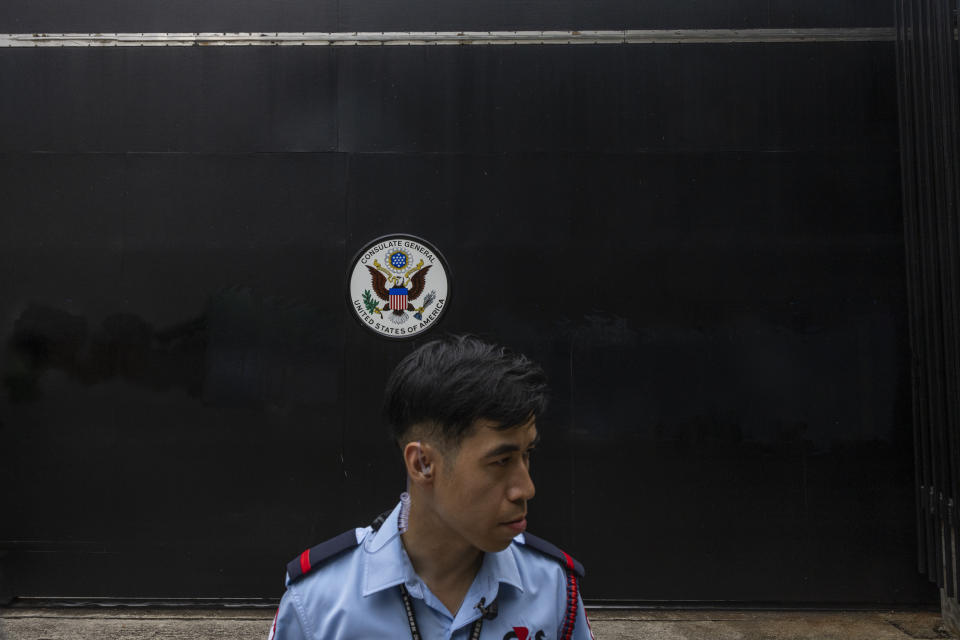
244 350
124 346
701 243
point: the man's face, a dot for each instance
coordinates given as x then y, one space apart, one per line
482 489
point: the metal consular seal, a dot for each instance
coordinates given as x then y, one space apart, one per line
399 286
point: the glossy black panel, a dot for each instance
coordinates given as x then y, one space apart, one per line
618 97
28 16
485 99
376 15
178 374
171 365
192 99
701 244
726 336
110 16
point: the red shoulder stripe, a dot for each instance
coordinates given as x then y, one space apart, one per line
314 557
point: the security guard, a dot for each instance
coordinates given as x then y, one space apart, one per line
452 560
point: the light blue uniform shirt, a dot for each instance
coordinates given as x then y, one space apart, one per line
356 595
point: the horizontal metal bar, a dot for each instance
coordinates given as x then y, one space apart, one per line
626 36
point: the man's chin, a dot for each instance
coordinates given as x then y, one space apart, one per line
499 543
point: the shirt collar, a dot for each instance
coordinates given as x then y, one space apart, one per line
386 563
501 567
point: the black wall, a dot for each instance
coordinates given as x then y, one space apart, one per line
702 244
104 16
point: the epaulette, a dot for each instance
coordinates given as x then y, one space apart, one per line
558 554
574 570
315 556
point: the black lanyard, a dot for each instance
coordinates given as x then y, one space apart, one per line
412 619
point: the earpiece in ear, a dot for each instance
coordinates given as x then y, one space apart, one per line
424 465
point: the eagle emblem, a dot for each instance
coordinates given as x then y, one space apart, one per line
406 286
399 286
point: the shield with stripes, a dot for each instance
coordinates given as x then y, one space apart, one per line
398 298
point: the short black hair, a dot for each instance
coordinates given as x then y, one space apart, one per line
449 383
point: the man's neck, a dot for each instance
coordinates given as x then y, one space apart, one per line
444 561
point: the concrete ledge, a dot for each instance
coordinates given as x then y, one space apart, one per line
951 613
949 607
608 624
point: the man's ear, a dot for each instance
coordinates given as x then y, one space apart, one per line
419 459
